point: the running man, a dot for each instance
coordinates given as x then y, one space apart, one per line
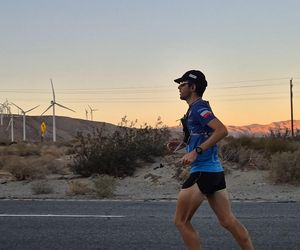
202 131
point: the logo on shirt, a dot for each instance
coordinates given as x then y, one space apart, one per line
205 114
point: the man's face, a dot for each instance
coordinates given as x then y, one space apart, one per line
185 91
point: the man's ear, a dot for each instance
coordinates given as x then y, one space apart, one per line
193 86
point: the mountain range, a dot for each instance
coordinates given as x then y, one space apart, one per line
263 130
257 130
67 128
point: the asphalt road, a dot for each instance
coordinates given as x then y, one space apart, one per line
138 225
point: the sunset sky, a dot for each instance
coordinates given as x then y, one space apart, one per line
121 57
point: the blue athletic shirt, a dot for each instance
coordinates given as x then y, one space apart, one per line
199 115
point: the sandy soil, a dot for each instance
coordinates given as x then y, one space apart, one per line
157 181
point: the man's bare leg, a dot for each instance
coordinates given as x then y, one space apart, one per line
189 200
220 204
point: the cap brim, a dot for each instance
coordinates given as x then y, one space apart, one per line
179 80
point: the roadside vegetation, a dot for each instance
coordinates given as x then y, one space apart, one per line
279 153
103 156
33 161
118 154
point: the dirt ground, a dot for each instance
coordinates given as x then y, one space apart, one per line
156 181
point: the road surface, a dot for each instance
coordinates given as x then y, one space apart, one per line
130 225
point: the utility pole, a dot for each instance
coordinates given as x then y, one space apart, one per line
291 99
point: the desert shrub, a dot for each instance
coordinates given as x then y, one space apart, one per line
117 153
279 132
52 150
274 145
285 167
255 152
41 187
244 157
284 133
24 169
58 166
20 149
151 141
78 188
266 145
104 186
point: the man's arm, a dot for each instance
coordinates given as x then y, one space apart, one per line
219 132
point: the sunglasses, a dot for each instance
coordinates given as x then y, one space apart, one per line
182 84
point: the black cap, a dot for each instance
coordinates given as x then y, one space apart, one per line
193 76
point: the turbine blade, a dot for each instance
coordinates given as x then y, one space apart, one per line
17 107
47 109
31 109
90 107
63 106
52 90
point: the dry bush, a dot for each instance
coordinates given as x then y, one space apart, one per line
31 161
41 187
104 186
251 152
266 145
78 188
285 167
244 157
23 168
52 150
24 164
2 162
258 161
3 151
20 149
58 166
118 153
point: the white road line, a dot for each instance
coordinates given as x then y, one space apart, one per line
63 215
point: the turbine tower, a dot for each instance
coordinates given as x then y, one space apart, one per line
92 110
52 105
86 114
11 124
24 118
1 113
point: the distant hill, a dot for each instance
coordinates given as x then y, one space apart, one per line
262 130
66 128
257 130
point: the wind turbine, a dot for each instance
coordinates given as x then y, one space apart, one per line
1 113
52 105
86 114
6 107
11 124
24 118
92 110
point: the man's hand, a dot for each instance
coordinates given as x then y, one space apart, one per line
189 158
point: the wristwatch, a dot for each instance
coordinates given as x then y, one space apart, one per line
199 150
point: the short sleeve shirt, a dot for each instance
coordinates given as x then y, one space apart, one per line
199 115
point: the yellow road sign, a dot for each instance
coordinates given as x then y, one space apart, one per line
43 128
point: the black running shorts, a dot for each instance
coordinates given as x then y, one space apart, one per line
208 182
